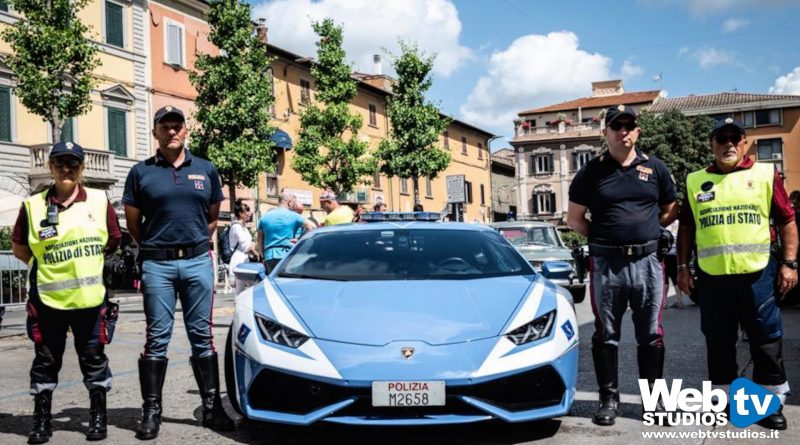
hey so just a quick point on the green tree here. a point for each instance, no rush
(234, 95)
(52, 59)
(680, 141)
(324, 157)
(412, 150)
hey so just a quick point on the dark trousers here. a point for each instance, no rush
(749, 299)
(47, 327)
(269, 265)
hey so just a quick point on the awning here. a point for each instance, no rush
(282, 140)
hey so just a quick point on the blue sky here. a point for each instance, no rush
(498, 57)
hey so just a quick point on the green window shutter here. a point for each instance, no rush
(3, 5)
(67, 130)
(5, 114)
(114, 24)
(117, 138)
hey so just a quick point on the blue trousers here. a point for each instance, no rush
(164, 282)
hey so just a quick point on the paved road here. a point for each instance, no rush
(685, 359)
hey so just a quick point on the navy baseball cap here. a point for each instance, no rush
(728, 122)
(168, 111)
(67, 148)
(615, 113)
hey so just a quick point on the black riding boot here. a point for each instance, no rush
(42, 418)
(605, 366)
(206, 372)
(651, 367)
(775, 421)
(98, 422)
(151, 378)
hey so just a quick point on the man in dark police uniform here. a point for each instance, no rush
(171, 204)
(630, 196)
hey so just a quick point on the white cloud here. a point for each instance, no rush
(711, 57)
(683, 51)
(629, 70)
(535, 70)
(731, 25)
(787, 84)
(369, 27)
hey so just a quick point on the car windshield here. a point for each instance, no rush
(520, 236)
(403, 254)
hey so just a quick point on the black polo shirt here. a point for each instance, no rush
(174, 201)
(624, 202)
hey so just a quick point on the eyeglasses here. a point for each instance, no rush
(617, 126)
(71, 162)
(724, 138)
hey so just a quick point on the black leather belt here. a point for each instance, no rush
(174, 253)
(631, 250)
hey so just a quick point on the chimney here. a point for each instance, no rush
(261, 30)
(377, 70)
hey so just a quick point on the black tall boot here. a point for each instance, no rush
(98, 422)
(151, 378)
(42, 418)
(605, 366)
(206, 372)
(651, 367)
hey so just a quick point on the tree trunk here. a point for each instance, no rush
(232, 194)
(56, 122)
(415, 184)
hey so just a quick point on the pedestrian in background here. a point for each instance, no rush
(631, 196)
(335, 212)
(242, 242)
(278, 228)
(727, 216)
(63, 234)
(671, 267)
(171, 204)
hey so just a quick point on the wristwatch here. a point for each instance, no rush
(791, 264)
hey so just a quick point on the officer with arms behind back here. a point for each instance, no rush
(727, 213)
(631, 196)
(63, 232)
(171, 205)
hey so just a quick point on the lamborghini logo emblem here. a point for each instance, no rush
(407, 352)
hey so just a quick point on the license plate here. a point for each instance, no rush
(429, 393)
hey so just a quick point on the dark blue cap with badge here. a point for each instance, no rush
(728, 122)
(617, 112)
(168, 111)
(67, 148)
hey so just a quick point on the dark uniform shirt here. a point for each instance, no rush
(625, 202)
(174, 201)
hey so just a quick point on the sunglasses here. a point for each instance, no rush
(723, 138)
(617, 126)
(71, 162)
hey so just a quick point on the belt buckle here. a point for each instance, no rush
(629, 250)
(181, 253)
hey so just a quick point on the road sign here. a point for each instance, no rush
(456, 191)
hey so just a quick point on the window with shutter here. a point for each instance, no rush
(552, 203)
(428, 188)
(483, 195)
(5, 114)
(117, 138)
(4, 5)
(114, 25)
(468, 187)
(174, 43)
(404, 186)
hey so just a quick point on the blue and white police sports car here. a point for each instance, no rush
(402, 323)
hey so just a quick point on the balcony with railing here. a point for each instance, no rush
(562, 130)
(98, 167)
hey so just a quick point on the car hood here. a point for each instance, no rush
(532, 252)
(379, 312)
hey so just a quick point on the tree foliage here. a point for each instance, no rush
(234, 95)
(682, 142)
(329, 153)
(52, 59)
(412, 150)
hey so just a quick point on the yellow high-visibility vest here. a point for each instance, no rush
(69, 256)
(731, 216)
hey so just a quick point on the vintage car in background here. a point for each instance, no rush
(540, 243)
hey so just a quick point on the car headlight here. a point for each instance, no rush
(535, 330)
(275, 332)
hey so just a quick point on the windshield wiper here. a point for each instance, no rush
(309, 277)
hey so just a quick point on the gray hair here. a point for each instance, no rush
(286, 197)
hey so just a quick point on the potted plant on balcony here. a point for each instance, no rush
(517, 122)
